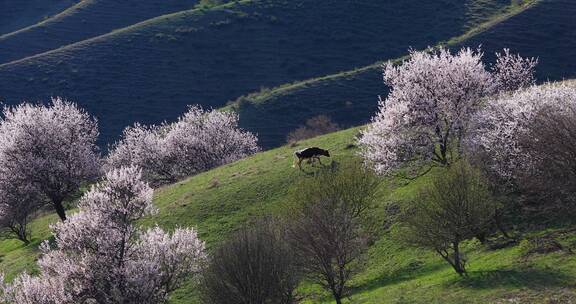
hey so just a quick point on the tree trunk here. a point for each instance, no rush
(337, 295)
(23, 237)
(21, 233)
(458, 265)
(59, 209)
(481, 236)
(500, 225)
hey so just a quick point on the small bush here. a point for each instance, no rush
(315, 126)
(256, 266)
(540, 245)
(454, 207)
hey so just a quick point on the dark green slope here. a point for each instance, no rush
(151, 71)
(16, 14)
(348, 98)
(86, 19)
(546, 30)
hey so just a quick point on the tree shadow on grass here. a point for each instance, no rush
(406, 273)
(526, 278)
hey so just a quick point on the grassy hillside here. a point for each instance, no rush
(219, 201)
(544, 29)
(85, 19)
(16, 14)
(150, 72)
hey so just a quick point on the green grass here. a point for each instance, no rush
(15, 257)
(150, 71)
(219, 201)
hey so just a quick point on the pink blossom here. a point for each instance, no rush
(101, 256)
(198, 141)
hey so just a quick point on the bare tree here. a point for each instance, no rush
(255, 266)
(18, 203)
(528, 140)
(454, 207)
(551, 138)
(328, 231)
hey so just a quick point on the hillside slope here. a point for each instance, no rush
(86, 19)
(17, 14)
(219, 201)
(150, 72)
(546, 30)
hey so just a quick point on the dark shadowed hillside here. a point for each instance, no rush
(17, 14)
(86, 19)
(546, 30)
(151, 71)
(348, 98)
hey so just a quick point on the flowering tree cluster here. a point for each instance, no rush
(46, 153)
(432, 99)
(513, 72)
(530, 135)
(198, 141)
(100, 256)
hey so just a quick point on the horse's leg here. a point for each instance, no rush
(300, 164)
(320, 161)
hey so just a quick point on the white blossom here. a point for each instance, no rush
(100, 256)
(198, 141)
(505, 124)
(512, 72)
(428, 111)
(49, 148)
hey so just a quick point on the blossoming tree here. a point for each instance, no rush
(529, 134)
(198, 141)
(432, 99)
(100, 256)
(51, 149)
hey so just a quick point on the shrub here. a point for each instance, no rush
(18, 203)
(454, 207)
(315, 126)
(329, 229)
(528, 142)
(255, 266)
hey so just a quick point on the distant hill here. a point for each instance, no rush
(545, 29)
(149, 72)
(86, 19)
(17, 14)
